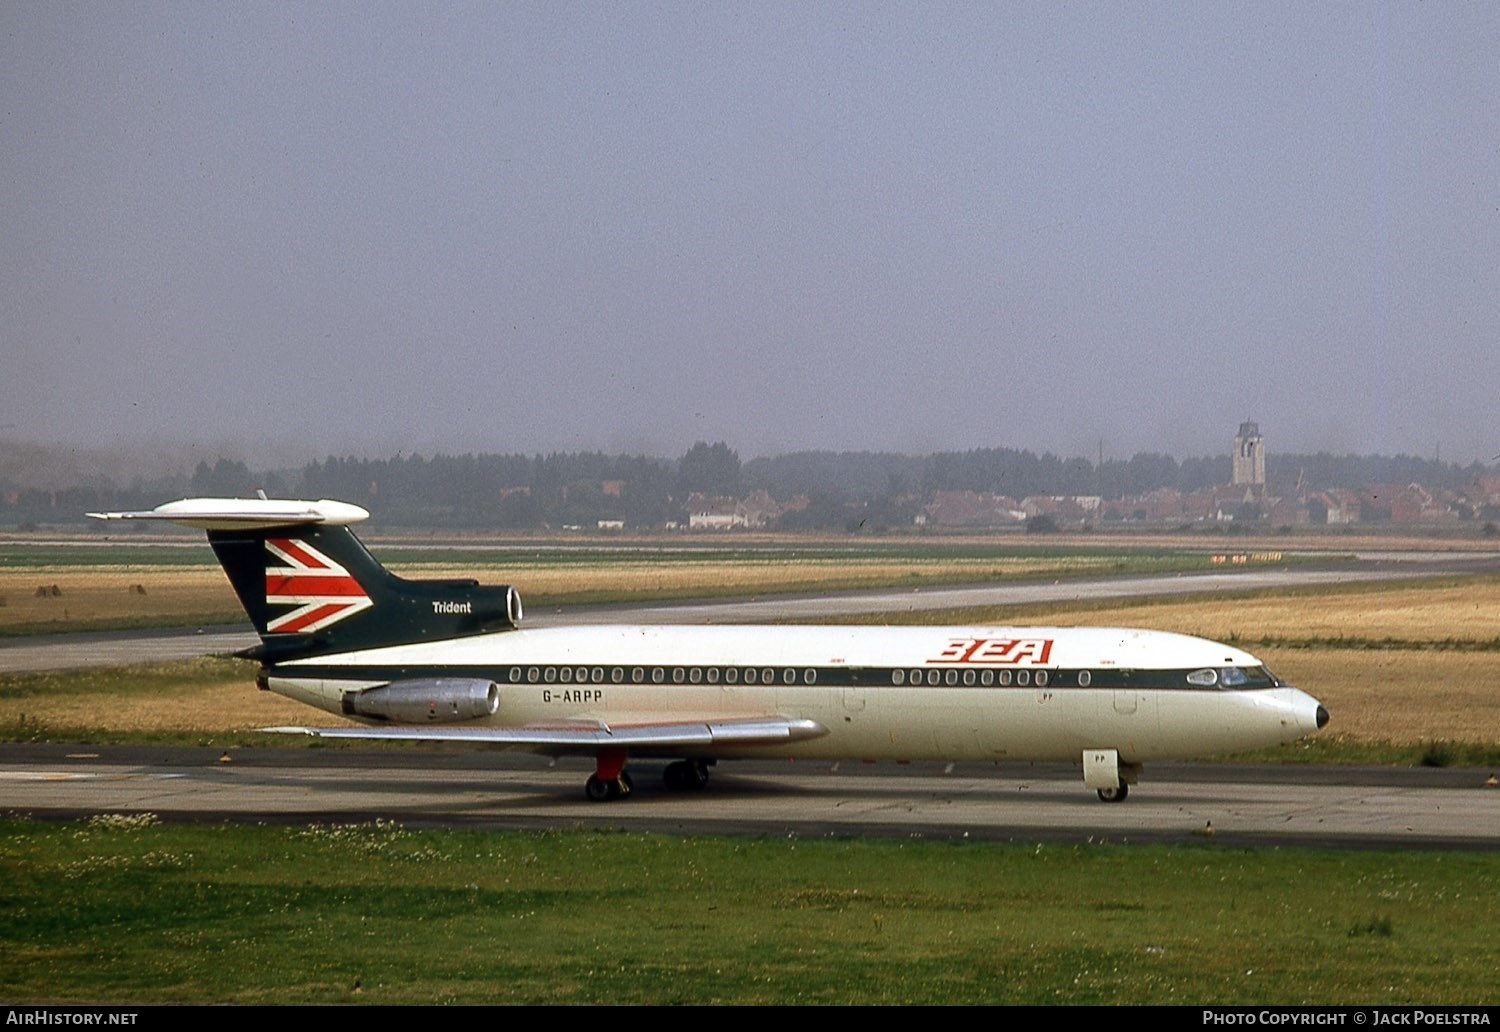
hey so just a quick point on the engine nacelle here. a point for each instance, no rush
(507, 614)
(437, 700)
(478, 607)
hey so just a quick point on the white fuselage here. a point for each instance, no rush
(904, 693)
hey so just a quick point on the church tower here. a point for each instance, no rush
(1249, 457)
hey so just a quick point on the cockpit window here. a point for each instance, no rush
(1231, 678)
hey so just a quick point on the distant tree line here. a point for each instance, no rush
(818, 489)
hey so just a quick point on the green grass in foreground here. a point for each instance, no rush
(122, 910)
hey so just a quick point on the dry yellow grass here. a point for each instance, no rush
(222, 698)
(1466, 612)
(750, 576)
(1400, 696)
(90, 594)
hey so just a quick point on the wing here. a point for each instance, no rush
(589, 738)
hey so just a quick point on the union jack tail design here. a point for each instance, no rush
(323, 591)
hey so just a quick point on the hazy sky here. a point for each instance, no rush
(627, 226)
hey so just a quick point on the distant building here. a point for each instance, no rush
(713, 513)
(1249, 457)
(970, 509)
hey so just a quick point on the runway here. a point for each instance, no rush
(1228, 804)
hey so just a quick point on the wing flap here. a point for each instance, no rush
(587, 738)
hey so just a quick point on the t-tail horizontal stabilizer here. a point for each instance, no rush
(246, 513)
(312, 589)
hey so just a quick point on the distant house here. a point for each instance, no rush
(759, 509)
(713, 513)
(720, 512)
(970, 509)
(1064, 509)
(1334, 507)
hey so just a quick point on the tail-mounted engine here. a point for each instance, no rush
(437, 700)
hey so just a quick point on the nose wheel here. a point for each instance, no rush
(1114, 795)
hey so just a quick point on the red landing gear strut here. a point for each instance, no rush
(609, 780)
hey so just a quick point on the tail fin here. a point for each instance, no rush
(311, 588)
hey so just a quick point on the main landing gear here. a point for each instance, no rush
(601, 790)
(685, 775)
(610, 781)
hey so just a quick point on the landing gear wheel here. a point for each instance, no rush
(1114, 795)
(685, 774)
(602, 790)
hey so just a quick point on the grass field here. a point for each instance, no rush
(118, 910)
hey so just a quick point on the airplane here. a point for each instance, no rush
(448, 661)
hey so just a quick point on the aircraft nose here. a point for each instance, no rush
(1302, 711)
